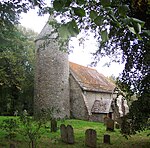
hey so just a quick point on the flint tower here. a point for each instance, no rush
(51, 75)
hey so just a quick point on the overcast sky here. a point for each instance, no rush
(81, 54)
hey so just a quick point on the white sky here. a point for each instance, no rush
(81, 55)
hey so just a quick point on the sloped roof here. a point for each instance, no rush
(102, 106)
(90, 79)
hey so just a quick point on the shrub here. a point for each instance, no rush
(31, 128)
(10, 126)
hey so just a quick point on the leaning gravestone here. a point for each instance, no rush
(90, 138)
(53, 125)
(106, 139)
(70, 134)
(63, 132)
(110, 125)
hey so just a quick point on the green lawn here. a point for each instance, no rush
(52, 140)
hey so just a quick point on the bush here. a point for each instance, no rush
(10, 126)
(31, 128)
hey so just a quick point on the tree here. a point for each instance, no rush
(10, 11)
(16, 74)
(17, 56)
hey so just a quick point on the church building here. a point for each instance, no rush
(70, 90)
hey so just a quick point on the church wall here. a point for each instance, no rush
(77, 101)
(98, 117)
(92, 96)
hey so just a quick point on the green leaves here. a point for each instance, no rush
(98, 20)
(132, 29)
(64, 32)
(10, 126)
(58, 5)
(123, 9)
(79, 12)
(17, 64)
(68, 2)
(106, 3)
(73, 28)
(135, 26)
(31, 128)
(93, 14)
(135, 20)
(68, 30)
(80, 2)
(136, 30)
(104, 36)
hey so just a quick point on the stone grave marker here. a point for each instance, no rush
(90, 138)
(70, 134)
(63, 132)
(53, 125)
(106, 139)
(110, 125)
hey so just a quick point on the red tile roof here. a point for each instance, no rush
(90, 79)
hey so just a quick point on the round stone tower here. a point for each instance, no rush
(51, 75)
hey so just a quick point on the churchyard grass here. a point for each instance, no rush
(52, 139)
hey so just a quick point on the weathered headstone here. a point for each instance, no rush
(53, 125)
(70, 134)
(106, 139)
(67, 134)
(110, 125)
(63, 132)
(90, 138)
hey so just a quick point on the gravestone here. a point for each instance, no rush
(70, 134)
(67, 134)
(53, 125)
(63, 132)
(106, 139)
(90, 138)
(110, 125)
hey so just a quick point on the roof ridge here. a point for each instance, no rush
(82, 66)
